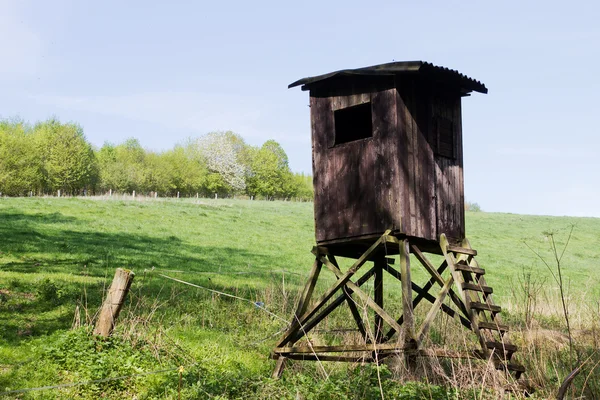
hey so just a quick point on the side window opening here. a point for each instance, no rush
(353, 123)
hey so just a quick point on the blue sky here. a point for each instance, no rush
(165, 71)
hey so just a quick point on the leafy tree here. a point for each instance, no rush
(186, 170)
(68, 161)
(269, 173)
(52, 155)
(122, 167)
(20, 163)
(303, 186)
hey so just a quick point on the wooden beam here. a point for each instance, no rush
(340, 282)
(440, 353)
(378, 292)
(339, 348)
(308, 289)
(423, 293)
(300, 309)
(427, 264)
(327, 357)
(307, 327)
(438, 278)
(363, 296)
(407, 299)
(351, 303)
(433, 311)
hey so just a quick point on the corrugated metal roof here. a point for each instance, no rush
(400, 68)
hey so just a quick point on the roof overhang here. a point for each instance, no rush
(422, 68)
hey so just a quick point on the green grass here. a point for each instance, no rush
(56, 254)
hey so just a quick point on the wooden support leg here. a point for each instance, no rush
(423, 293)
(407, 300)
(279, 366)
(309, 325)
(343, 280)
(301, 309)
(378, 289)
(407, 303)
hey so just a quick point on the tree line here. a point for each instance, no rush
(49, 156)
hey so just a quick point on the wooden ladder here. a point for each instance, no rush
(484, 314)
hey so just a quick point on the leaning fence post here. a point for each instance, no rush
(113, 302)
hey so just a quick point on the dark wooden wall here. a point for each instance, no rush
(395, 179)
(356, 182)
(449, 171)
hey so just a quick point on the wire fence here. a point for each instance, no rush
(256, 304)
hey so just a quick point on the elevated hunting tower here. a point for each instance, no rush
(388, 179)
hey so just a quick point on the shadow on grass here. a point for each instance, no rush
(42, 245)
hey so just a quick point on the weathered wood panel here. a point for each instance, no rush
(322, 127)
(417, 159)
(357, 190)
(426, 213)
(404, 129)
(386, 168)
(448, 173)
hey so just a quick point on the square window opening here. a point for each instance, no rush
(353, 123)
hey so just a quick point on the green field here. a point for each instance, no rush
(58, 256)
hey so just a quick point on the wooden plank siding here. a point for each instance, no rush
(395, 179)
(419, 190)
(449, 172)
(321, 122)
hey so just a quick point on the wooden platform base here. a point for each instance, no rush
(462, 294)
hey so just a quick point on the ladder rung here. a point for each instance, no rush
(467, 268)
(492, 326)
(485, 307)
(477, 288)
(509, 348)
(462, 250)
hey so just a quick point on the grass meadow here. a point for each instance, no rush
(58, 255)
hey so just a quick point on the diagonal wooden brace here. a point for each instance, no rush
(337, 286)
(433, 311)
(362, 295)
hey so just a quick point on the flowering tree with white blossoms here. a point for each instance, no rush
(222, 153)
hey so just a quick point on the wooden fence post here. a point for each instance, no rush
(113, 302)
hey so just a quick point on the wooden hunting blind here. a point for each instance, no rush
(388, 179)
(387, 151)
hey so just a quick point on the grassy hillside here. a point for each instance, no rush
(59, 254)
